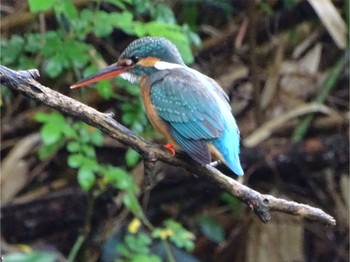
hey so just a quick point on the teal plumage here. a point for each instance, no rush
(188, 107)
(196, 115)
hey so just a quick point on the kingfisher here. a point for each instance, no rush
(189, 108)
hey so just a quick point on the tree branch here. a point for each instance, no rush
(262, 205)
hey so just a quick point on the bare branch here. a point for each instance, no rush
(262, 205)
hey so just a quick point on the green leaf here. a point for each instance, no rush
(96, 138)
(141, 6)
(33, 43)
(75, 160)
(123, 250)
(40, 5)
(181, 237)
(211, 229)
(138, 243)
(68, 130)
(47, 150)
(81, 26)
(57, 118)
(144, 239)
(35, 256)
(102, 24)
(192, 36)
(54, 66)
(11, 50)
(130, 201)
(123, 21)
(77, 52)
(50, 133)
(73, 147)
(162, 13)
(234, 204)
(84, 134)
(89, 70)
(145, 258)
(54, 118)
(128, 118)
(53, 42)
(118, 3)
(88, 150)
(120, 179)
(105, 89)
(67, 8)
(42, 117)
(140, 29)
(86, 177)
(26, 62)
(132, 157)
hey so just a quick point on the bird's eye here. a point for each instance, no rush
(134, 59)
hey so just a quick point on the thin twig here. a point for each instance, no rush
(261, 204)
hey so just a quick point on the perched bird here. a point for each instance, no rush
(190, 109)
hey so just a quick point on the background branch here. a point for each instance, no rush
(262, 205)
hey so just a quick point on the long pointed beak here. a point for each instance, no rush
(108, 72)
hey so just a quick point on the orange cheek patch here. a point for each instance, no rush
(148, 61)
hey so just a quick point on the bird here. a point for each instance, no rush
(189, 108)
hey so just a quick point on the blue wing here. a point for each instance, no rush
(188, 106)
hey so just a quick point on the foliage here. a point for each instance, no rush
(211, 229)
(34, 256)
(80, 141)
(64, 50)
(136, 245)
(74, 53)
(55, 130)
(232, 202)
(136, 248)
(68, 47)
(176, 233)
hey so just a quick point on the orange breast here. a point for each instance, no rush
(151, 112)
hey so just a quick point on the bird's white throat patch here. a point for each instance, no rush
(131, 77)
(160, 65)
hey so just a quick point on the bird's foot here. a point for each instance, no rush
(215, 163)
(170, 148)
(108, 114)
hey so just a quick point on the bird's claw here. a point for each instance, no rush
(215, 163)
(170, 148)
(108, 114)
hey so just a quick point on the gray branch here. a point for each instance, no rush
(262, 205)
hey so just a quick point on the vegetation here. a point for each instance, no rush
(110, 215)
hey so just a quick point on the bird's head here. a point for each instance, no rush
(142, 57)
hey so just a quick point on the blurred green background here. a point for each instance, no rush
(68, 193)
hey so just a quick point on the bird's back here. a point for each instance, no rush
(198, 114)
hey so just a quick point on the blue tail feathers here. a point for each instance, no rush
(228, 145)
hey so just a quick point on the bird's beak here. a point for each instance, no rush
(108, 72)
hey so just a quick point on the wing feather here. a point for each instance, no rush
(187, 104)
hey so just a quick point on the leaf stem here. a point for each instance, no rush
(168, 251)
(328, 85)
(76, 247)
